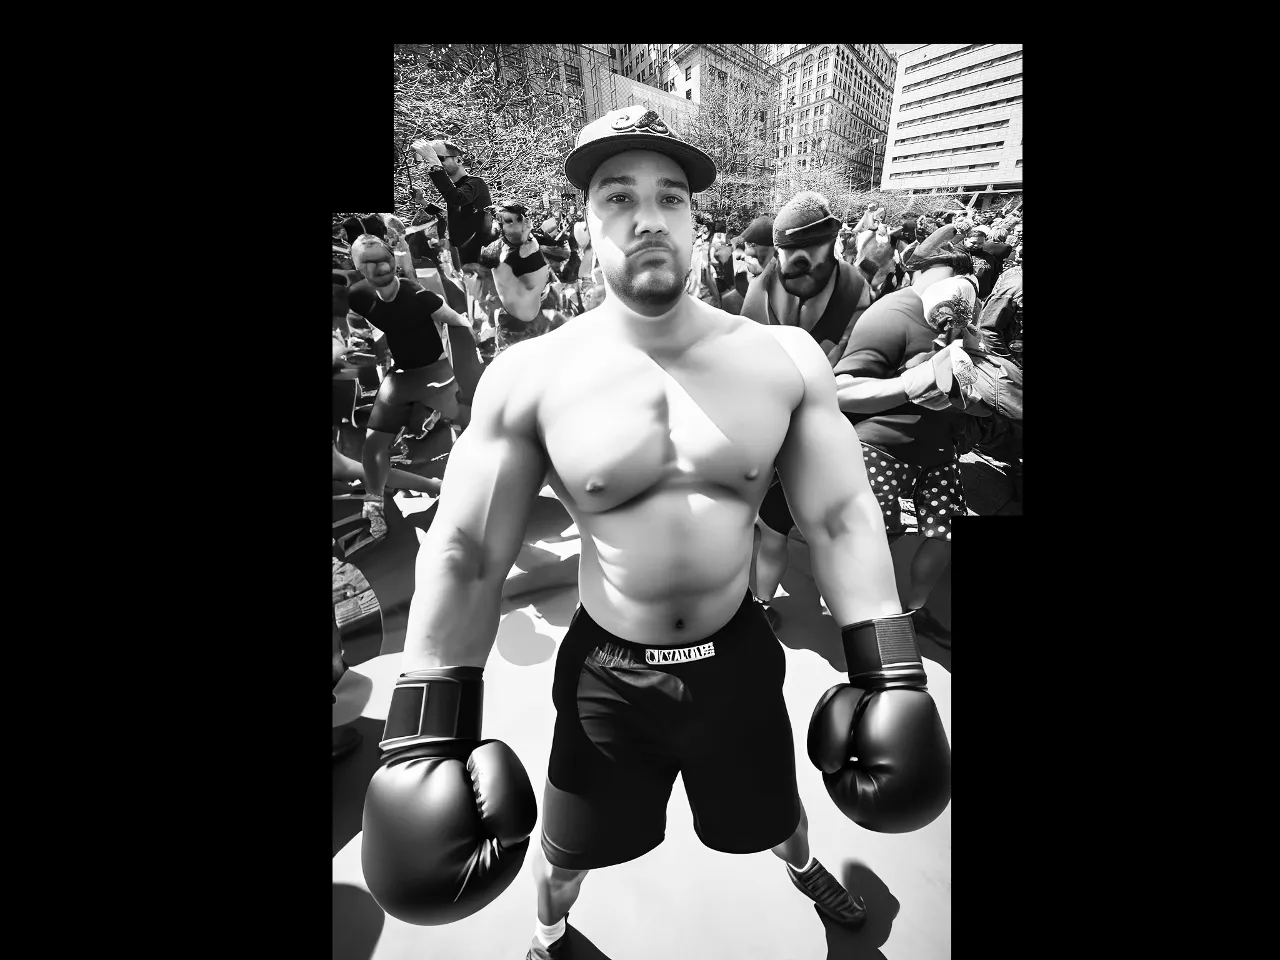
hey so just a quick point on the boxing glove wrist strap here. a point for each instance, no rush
(446, 703)
(882, 653)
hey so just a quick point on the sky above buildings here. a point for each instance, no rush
(901, 48)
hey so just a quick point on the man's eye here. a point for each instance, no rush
(619, 196)
(676, 197)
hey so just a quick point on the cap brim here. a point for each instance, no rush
(583, 161)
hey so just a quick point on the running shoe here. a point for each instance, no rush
(557, 951)
(832, 899)
(374, 512)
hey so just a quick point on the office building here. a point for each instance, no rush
(956, 124)
(832, 108)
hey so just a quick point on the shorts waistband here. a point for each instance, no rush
(614, 651)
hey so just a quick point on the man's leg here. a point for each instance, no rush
(377, 461)
(344, 468)
(927, 567)
(771, 561)
(795, 849)
(771, 558)
(557, 888)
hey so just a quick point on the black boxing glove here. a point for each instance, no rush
(447, 816)
(878, 739)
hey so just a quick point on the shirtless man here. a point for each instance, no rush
(658, 424)
(520, 274)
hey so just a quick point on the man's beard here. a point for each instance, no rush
(646, 284)
(812, 283)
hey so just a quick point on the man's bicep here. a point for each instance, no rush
(492, 480)
(820, 463)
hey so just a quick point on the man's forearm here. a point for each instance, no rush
(454, 613)
(852, 565)
(868, 394)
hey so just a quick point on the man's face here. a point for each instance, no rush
(806, 270)
(450, 165)
(514, 227)
(642, 228)
(375, 262)
(762, 252)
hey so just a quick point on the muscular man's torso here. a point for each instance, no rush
(663, 463)
(517, 299)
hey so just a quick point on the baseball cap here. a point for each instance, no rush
(759, 231)
(805, 219)
(446, 147)
(634, 128)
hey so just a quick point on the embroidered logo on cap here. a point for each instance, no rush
(682, 655)
(649, 122)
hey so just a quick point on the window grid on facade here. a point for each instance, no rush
(915, 104)
(954, 132)
(937, 170)
(995, 61)
(942, 58)
(972, 148)
(963, 111)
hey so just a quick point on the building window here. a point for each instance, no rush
(688, 72)
(612, 53)
(688, 94)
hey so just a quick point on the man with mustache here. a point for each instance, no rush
(657, 422)
(806, 285)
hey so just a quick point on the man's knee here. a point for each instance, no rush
(545, 871)
(771, 541)
(377, 440)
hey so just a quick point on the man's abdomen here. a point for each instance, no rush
(677, 555)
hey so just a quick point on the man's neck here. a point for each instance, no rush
(668, 333)
(393, 287)
(795, 311)
(457, 175)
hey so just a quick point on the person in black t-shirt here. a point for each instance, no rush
(994, 251)
(466, 197)
(906, 425)
(408, 313)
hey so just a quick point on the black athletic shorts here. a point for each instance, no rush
(433, 386)
(774, 510)
(625, 726)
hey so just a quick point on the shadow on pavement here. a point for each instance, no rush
(351, 776)
(805, 625)
(882, 909)
(357, 923)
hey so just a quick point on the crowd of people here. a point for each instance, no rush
(604, 348)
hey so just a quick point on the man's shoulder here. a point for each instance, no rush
(899, 304)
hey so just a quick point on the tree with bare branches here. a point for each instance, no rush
(505, 104)
(730, 127)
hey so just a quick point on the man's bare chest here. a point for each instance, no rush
(624, 426)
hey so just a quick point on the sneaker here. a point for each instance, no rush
(373, 511)
(831, 898)
(557, 951)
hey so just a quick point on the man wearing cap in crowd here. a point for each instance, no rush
(888, 386)
(466, 197)
(806, 285)
(758, 238)
(658, 424)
